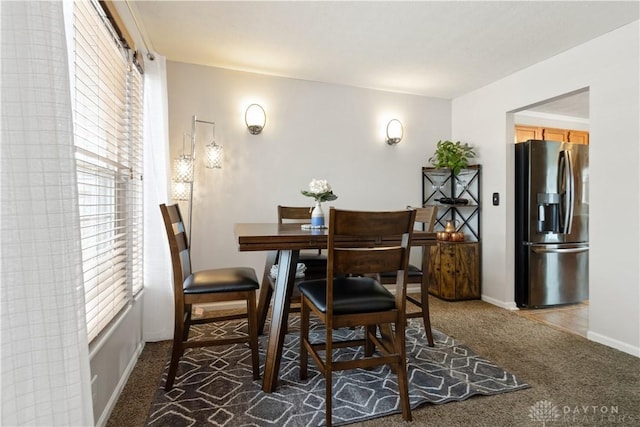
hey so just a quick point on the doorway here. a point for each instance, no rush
(566, 119)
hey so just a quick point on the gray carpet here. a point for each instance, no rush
(214, 385)
(564, 369)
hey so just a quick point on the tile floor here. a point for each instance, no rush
(572, 318)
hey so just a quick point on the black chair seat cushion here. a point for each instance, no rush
(412, 271)
(221, 280)
(351, 295)
(313, 258)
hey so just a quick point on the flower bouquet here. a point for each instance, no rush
(321, 191)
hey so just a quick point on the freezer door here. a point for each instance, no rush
(558, 274)
(543, 225)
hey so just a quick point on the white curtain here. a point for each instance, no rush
(158, 288)
(45, 364)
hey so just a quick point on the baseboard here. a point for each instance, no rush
(102, 421)
(159, 335)
(610, 342)
(507, 305)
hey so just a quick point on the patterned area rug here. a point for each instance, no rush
(214, 385)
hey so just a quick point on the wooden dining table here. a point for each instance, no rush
(284, 243)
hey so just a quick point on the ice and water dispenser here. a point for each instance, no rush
(548, 213)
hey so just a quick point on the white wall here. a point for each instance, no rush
(551, 121)
(313, 130)
(113, 356)
(608, 66)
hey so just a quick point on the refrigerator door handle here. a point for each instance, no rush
(566, 189)
(543, 250)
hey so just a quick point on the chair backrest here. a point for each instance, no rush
(294, 214)
(178, 244)
(426, 216)
(367, 242)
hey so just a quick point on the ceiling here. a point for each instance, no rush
(428, 48)
(575, 105)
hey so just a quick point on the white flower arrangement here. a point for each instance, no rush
(320, 190)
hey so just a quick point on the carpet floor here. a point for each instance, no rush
(214, 385)
(574, 382)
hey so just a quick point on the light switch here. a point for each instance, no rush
(496, 199)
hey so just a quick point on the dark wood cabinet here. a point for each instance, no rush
(454, 267)
(454, 270)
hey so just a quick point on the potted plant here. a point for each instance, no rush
(452, 155)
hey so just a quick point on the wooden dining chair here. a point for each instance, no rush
(360, 244)
(206, 286)
(426, 218)
(314, 260)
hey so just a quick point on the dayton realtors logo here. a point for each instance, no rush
(545, 412)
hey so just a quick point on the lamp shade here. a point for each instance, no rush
(394, 132)
(255, 118)
(180, 190)
(214, 156)
(183, 167)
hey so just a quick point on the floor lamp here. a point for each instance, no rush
(185, 166)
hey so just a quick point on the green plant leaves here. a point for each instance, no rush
(452, 155)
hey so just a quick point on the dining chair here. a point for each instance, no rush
(206, 286)
(314, 260)
(360, 243)
(426, 218)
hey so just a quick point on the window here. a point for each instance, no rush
(108, 138)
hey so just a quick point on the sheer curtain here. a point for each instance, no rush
(158, 288)
(44, 363)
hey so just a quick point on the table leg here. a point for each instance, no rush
(265, 291)
(288, 260)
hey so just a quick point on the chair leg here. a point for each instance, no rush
(187, 321)
(401, 372)
(252, 323)
(369, 347)
(304, 337)
(424, 302)
(176, 350)
(328, 375)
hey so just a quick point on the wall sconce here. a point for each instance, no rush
(394, 132)
(255, 118)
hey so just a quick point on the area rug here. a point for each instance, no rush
(214, 385)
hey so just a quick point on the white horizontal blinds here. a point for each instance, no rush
(104, 158)
(136, 161)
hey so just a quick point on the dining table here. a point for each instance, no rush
(283, 243)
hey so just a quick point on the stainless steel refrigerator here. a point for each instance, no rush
(552, 223)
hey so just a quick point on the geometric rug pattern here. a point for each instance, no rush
(214, 386)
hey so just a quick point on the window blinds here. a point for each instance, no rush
(108, 138)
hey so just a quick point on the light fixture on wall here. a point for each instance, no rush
(255, 118)
(394, 132)
(184, 166)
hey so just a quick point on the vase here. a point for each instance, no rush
(317, 215)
